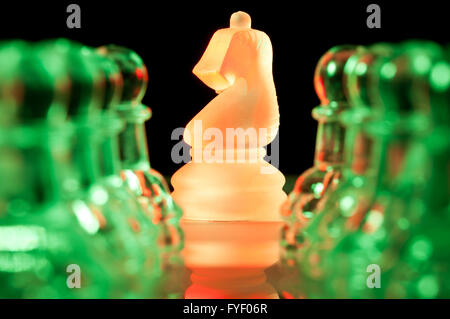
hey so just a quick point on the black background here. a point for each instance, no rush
(171, 37)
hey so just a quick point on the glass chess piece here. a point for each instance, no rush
(245, 187)
(148, 185)
(343, 209)
(41, 240)
(126, 234)
(316, 182)
(390, 235)
(109, 126)
(231, 221)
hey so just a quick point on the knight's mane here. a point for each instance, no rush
(256, 39)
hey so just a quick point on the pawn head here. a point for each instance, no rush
(439, 81)
(329, 75)
(33, 83)
(86, 80)
(402, 83)
(11, 87)
(113, 83)
(133, 71)
(360, 75)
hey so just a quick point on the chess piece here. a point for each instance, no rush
(314, 183)
(237, 64)
(147, 184)
(343, 209)
(41, 239)
(399, 231)
(134, 265)
(24, 71)
(124, 199)
(229, 195)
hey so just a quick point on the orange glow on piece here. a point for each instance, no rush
(238, 64)
(231, 218)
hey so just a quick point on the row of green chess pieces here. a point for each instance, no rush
(82, 213)
(371, 219)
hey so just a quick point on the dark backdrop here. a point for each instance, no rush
(171, 37)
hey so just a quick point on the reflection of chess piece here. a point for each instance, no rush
(314, 184)
(228, 178)
(228, 259)
(229, 195)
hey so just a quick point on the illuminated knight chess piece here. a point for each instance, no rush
(228, 179)
(314, 184)
(237, 64)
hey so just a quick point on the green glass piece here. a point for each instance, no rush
(403, 231)
(130, 268)
(133, 70)
(123, 224)
(110, 179)
(33, 74)
(11, 54)
(147, 184)
(401, 96)
(329, 75)
(340, 211)
(311, 186)
(40, 237)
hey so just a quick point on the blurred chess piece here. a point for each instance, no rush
(89, 188)
(148, 185)
(317, 182)
(228, 191)
(134, 217)
(40, 234)
(344, 208)
(402, 231)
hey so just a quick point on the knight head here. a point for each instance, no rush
(233, 53)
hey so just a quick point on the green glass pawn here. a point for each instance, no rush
(403, 121)
(121, 196)
(342, 211)
(420, 221)
(45, 251)
(10, 59)
(147, 184)
(311, 186)
(118, 229)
